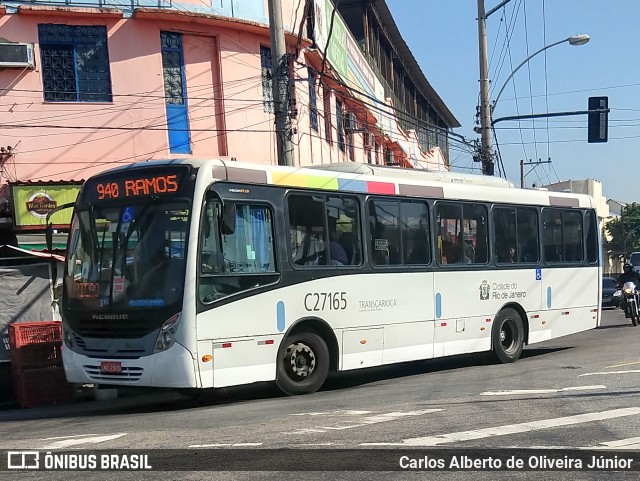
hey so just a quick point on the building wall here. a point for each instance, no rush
(67, 140)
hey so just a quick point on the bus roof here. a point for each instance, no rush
(355, 177)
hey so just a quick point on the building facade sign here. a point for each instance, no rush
(32, 202)
(346, 58)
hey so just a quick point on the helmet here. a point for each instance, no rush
(627, 267)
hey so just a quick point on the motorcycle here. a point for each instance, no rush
(631, 302)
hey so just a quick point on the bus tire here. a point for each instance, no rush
(507, 337)
(302, 364)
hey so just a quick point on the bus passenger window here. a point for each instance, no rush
(528, 235)
(344, 231)
(324, 230)
(552, 235)
(414, 222)
(462, 233)
(383, 232)
(307, 230)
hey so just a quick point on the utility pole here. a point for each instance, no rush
(535, 164)
(521, 173)
(280, 75)
(486, 149)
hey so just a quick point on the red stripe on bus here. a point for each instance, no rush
(381, 188)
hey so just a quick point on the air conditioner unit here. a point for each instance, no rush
(350, 122)
(17, 55)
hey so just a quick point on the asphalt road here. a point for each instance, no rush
(578, 392)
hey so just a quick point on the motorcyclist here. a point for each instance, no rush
(629, 275)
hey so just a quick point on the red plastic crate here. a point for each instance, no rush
(26, 333)
(42, 387)
(37, 356)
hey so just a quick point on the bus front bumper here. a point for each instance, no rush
(174, 368)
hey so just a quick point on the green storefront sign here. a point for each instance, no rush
(337, 48)
(33, 201)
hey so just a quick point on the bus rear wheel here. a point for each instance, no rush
(303, 363)
(507, 336)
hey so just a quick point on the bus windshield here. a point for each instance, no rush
(127, 256)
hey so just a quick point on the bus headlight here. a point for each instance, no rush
(167, 337)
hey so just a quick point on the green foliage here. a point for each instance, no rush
(625, 231)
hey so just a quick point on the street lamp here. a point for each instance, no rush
(486, 109)
(575, 40)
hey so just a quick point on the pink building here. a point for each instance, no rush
(86, 87)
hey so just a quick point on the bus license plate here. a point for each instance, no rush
(111, 367)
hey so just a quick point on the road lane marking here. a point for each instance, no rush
(541, 391)
(629, 443)
(624, 364)
(363, 421)
(334, 413)
(68, 437)
(76, 441)
(512, 428)
(631, 371)
(226, 445)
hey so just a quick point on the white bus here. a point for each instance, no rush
(200, 274)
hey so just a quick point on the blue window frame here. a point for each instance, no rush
(175, 93)
(75, 63)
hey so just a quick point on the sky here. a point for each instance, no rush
(443, 36)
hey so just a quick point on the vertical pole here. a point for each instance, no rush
(522, 173)
(280, 74)
(486, 152)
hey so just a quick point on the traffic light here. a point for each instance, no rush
(598, 125)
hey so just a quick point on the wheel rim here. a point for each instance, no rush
(300, 361)
(508, 332)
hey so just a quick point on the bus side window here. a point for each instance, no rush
(591, 231)
(307, 230)
(384, 233)
(474, 234)
(505, 232)
(414, 217)
(552, 235)
(528, 235)
(449, 224)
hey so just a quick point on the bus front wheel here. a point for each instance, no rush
(507, 336)
(303, 363)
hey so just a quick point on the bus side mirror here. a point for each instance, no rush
(228, 221)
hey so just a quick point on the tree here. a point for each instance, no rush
(625, 231)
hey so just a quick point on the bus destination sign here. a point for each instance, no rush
(133, 185)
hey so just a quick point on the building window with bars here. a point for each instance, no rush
(340, 124)
(267, 79)
(313, 108)
(75, 63)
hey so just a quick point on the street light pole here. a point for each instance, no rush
(486, 148)
(573, 40)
